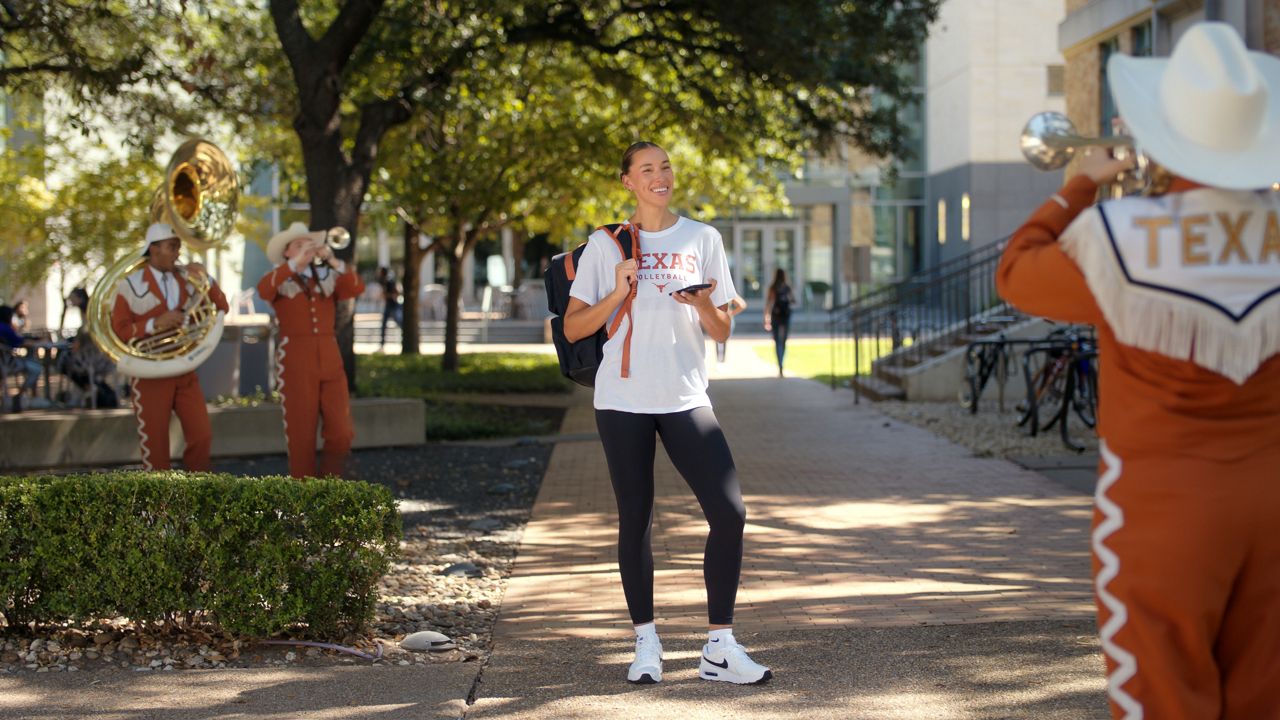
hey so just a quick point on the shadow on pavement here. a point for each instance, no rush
(1048, 669)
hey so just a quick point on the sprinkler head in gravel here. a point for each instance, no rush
(462, 568)
(428, 640)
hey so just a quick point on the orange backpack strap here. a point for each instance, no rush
(570, 271)
(625, 310)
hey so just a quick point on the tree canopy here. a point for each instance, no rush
(480, 113)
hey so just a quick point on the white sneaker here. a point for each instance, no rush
(728, 662)
(646, 669)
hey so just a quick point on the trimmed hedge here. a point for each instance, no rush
(255, 556)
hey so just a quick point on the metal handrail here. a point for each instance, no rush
(901, 324)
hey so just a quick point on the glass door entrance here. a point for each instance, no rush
(757, 249)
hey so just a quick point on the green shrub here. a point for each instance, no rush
(420, 376)
(255, 556)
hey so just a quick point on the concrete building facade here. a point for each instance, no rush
(1095, 29)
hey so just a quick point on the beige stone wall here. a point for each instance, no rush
(1084, 103)
(1074, 5)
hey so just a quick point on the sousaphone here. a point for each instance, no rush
(199, 199)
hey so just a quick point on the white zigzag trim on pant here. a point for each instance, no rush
(1113, 520)
(143, 438)
(284, 412)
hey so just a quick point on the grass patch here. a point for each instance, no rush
(470, 421)
(812, 359)
(420, 376)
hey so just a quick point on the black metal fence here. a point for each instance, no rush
(903, 324)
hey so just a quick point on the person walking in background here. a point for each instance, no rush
(391, 307)
(1184, 289)
(777, 314)
(652, 382)
(736, 306)
(312, 382)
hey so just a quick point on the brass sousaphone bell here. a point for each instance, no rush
(199, 199)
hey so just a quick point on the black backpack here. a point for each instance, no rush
(580, 360)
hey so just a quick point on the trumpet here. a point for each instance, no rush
(337, 238)
(1049, 141)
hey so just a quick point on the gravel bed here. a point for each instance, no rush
(989, 433)
(464, 506)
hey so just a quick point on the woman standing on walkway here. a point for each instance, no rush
(777, 314)
(652, 383)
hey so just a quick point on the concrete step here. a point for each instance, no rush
(875, 388)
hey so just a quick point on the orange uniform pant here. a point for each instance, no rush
(154, 400)
(313, 385)
(1186, 560)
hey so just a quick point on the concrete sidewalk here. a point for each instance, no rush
(888, 573)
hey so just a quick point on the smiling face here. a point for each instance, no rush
(650, 177)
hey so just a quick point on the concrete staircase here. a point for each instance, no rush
(935, 371)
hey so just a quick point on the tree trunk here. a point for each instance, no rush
(449, 362)
(409, 300)
(517, 253)
(337, 176)
(335, 191)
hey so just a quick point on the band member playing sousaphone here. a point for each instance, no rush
(304, 288)
(1184, 289)
(152, 302)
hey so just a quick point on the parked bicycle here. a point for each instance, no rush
(1061, 379)
(984, 359)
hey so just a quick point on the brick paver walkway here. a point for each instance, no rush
(853, 519)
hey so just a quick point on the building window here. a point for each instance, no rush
(1057, 80)
(964, 217)
(1141, 36)
(942, 222)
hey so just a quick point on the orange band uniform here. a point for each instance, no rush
(1186, 556)
(312, 382)
(138, 300)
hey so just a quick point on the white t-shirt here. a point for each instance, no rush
(668, 373)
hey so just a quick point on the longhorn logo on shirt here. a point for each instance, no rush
(661, 287)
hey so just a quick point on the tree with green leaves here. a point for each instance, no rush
(531, 141)
(364, 67)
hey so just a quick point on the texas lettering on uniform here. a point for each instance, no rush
(1210, 238)
(663, 267)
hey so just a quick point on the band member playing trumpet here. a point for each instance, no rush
(153, 301)
(1184, 290)
(312, 383)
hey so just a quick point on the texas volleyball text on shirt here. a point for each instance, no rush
(668, 373)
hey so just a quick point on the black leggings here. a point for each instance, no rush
(780, 332)
(699, 451)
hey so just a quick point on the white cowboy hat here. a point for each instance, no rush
(277, 244)
(157, 232)
(1210, 112)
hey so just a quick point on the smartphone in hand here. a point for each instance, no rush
(691, 288)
